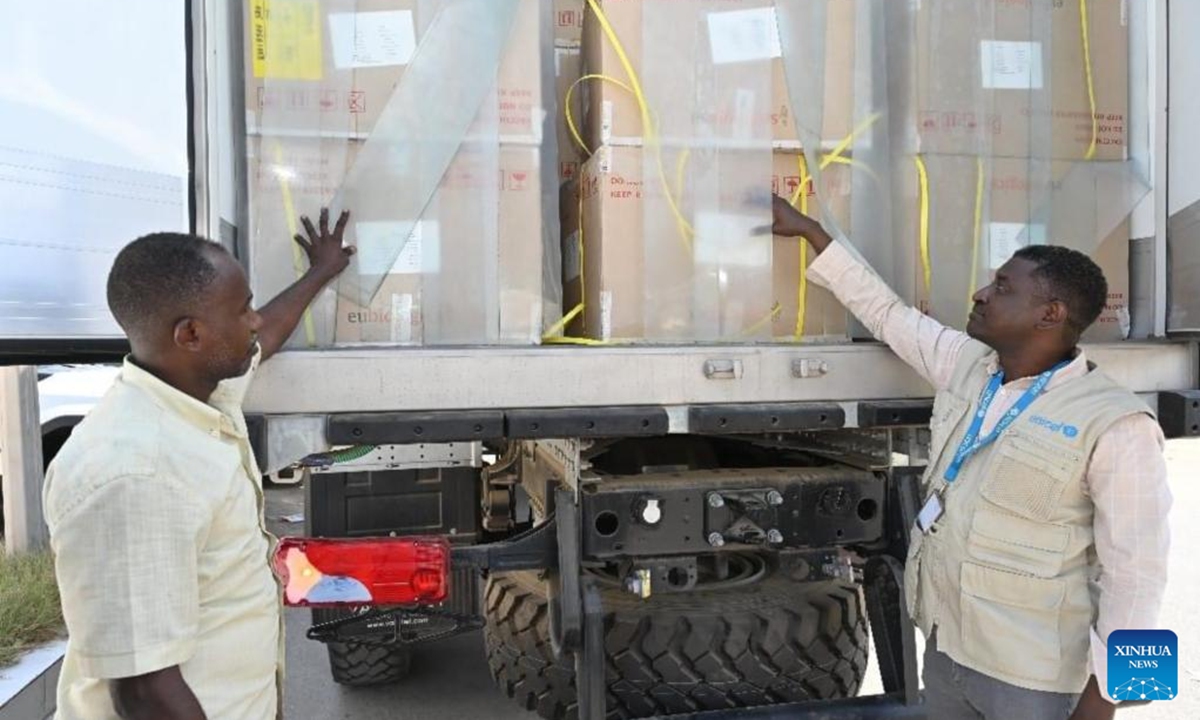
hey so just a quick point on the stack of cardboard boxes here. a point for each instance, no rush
(475, 268)
(1037, 107)
(614, 203)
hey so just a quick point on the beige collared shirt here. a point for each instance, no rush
(155, 511)
(1126, 478)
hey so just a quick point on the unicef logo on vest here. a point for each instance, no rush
(1143, 665)
(1068, 431)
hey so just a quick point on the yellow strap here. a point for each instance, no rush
(1091, 86)
(558, 327)
(571, 125)
(775, 311)
(978, 233)
(289, 211)
(841, 147)
(680, 167)
(926, 264)
(801, 200)
(575, 341)
(686, 231)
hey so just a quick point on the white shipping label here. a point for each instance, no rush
(604, 160)
(606, 120)
(402, 318)
(744, 35)
(730, 240)
(382, 250)
(1011, 64)
(372, 39)
(1005, 238)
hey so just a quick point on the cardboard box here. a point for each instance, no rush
(487, 282)
(625, 301)
(824, 316)
(349, 63)
(613, 116)
(1004, 227)
(568, 67)
(568, 22)
(983, 95)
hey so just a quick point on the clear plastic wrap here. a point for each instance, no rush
(706, 74)
(430, 126)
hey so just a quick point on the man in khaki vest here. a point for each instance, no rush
(1044, 518)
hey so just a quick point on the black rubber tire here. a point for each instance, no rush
(775, 642)
(358, 665)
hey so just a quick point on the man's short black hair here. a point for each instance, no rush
(1072, 277)
(158, 279)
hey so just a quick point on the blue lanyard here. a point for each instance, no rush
(972, 443)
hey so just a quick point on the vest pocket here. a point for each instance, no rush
(1017, 543)
(1029, 477)
(1010, 622)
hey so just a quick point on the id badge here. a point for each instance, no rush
(930, 512)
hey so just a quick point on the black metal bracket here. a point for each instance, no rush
(894, 413)
(531, 550)
(1179, 413)
(414, 427)
(389, 626)
(590, 676)
(895, 638)
(565, 596)
(765, 418)
(587, 422)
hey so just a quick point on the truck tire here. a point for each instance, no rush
(359, 665)
(775, 642)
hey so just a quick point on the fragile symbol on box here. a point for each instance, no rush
(357, 101)
(570, 18)
(518, 180)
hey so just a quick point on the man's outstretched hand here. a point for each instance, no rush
(327, 255)
(327, 258)
(787, 221)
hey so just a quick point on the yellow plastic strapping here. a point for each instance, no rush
(978, 234)
(289, 210)
(801, 200)
(687, 232)
(1091, 85)
(571, 125)
(926, 264)
(776, 310)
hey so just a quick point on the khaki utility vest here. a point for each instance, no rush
(1007, 573)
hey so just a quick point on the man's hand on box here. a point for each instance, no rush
(328, 256)
(787, 221)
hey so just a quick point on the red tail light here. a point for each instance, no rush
(374, 571)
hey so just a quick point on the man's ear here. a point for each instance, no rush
(187, 334)
(1054, 315)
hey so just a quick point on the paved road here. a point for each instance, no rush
(450, 679)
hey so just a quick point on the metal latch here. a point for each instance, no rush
(723, 369)
(809, 367)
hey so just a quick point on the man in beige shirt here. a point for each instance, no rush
(155, 503)
(1024, 325)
